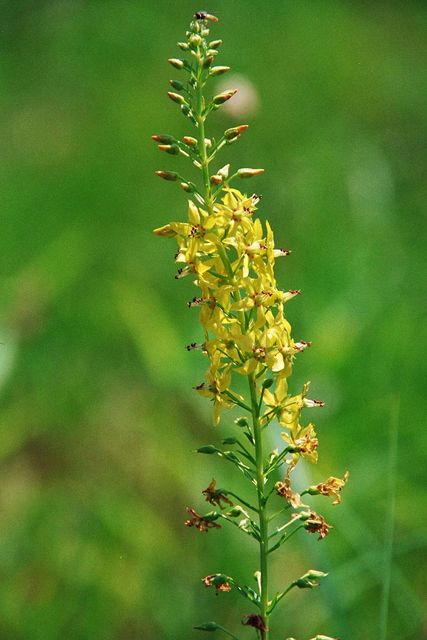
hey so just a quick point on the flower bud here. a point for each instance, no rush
(208, 448)
(313, 573)
(176, 97)
(216, 179)
(224, 96)
(223, 172)
(166, 231)
(183, 45)
(208, 626)
(267, 383)
(189, 141)
(208, 61)
(173, 149)
(229, 440)
(215, 44)
(189, 187)
(167, 175)
(188, 113)
(177, 63)
(163, 139)
(241, 422)
(235, 512)
(195, 39)
(211, 516)
(249, 173)
(234, 132)
(217, 71)
(310, 579)
(176, 85)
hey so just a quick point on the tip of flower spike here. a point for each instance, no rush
(203, 15)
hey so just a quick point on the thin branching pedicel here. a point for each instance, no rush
(230, 256)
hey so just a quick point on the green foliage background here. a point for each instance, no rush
(98, 418)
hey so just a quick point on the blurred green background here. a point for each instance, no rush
(98, 418)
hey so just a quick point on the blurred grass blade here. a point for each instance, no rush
(390, 516)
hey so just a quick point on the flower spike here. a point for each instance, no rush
(245, 337)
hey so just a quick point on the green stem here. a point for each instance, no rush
(228, 632)
(200, 117)
(209, 198)
(249, 506)
(262, 511)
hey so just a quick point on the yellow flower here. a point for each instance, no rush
(303, 443)
(218, 379)
(241, 310)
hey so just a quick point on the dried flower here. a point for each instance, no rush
(256, 621)
(217, 580)
(284, 489)
(201, 523)
(317, 524)
(216, 496)
(331, 487)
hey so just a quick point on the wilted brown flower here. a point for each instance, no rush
(216, 496)
(202, 523)
(316, 524)
(254, 620)
(217, 580)
(284, 489)
(331, 487)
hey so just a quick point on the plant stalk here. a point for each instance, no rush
(255, 401)
(262, 506)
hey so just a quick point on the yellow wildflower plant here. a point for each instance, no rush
(230, 255)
